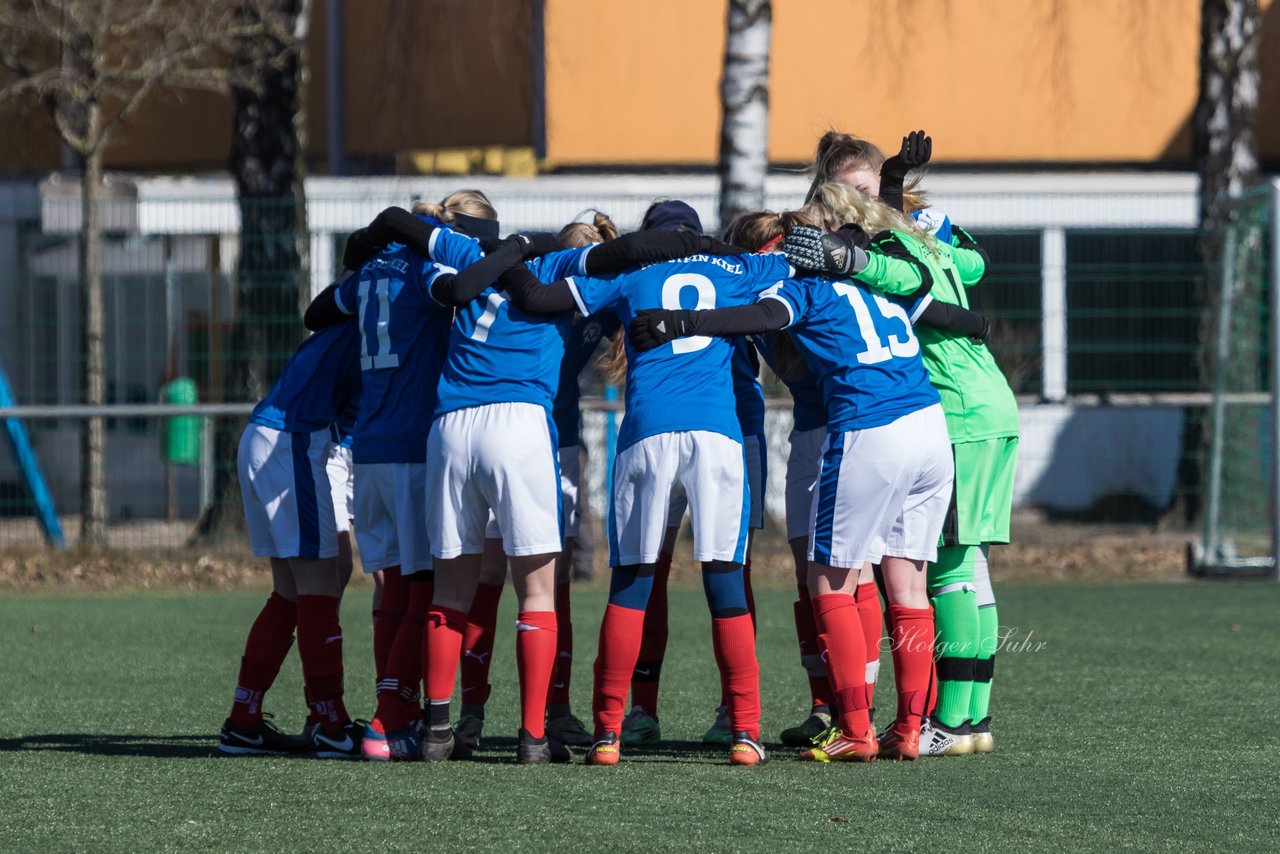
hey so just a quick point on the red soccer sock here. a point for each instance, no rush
(398, 689)
(441, 649)
(619, 647)
(840, 634)
(535, 659)
(386, 619)
(320, 647)
(477, 644)
(912, 662)
(563, 672)
(265, 650)
(645, 679)
(734, 641)
(872, 618)
(810, 653)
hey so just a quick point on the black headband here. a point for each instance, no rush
(474, 226)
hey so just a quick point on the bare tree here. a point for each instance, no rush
(272, 281)
(1232, 221)
(92, 64)
(744, 98)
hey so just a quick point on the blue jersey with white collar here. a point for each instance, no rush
(584, 338)
(404, 334)
(862, 349)
(317, 384)
(497, 352)
(808, 412)
(686, 384)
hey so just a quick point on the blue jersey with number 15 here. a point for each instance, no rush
(404, 333)
(686, 384)
(861, 347)
(498, 353)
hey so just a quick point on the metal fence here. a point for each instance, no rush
(1103, 314)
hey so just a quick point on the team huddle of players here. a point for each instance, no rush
(436, 405)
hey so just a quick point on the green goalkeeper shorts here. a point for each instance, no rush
(983, 495)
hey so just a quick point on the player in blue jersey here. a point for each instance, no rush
(405, 305)
(492, 448)
(885, 480)
(290, 516)
(680, 435)
(642, 725)
(582, 340)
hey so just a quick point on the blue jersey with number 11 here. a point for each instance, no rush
(403, 336)
(686, 384)
(861, 347)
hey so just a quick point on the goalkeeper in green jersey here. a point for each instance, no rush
(982, 418)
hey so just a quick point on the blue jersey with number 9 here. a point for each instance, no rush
(861, 347)
(403, 337)
(686, 384)
(498, 353)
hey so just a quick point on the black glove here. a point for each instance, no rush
(361, 246)
(539, 243)
(856, 234)
(835, 253)
(654, 327)
(915, 152)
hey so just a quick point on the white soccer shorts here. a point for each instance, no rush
(706, 468)
(883, 491)
(283, 485)
(500, 456)
(342, 482)
(391, 513)
(570, 486)
(803, 461)
(756, 460)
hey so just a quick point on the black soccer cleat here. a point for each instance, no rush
(261, 739)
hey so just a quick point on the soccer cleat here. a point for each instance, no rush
(640, 727)
(834, 746)
(344, 744)
(468, 730)
(261, 739)
(404, 745)
(982, 739)
(745, 750)
(605, 751)
(938, 740)
(540, 751)
(900, 746)
(569, 730)
(803, 734)
(437, 745)
(373, 746)
(719, 732)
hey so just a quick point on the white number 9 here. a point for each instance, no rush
(671, 290)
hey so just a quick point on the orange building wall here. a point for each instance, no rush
(992, 80)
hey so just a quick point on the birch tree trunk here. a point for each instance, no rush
(1224, 134)
(744, 98)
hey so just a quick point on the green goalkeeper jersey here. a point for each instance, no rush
(976, 397)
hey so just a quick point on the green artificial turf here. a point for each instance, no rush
(1147, 719)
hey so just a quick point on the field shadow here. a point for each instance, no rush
(200, 746)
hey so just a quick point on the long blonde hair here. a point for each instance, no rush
(834, 204)
(837, 152)
(468, 202)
